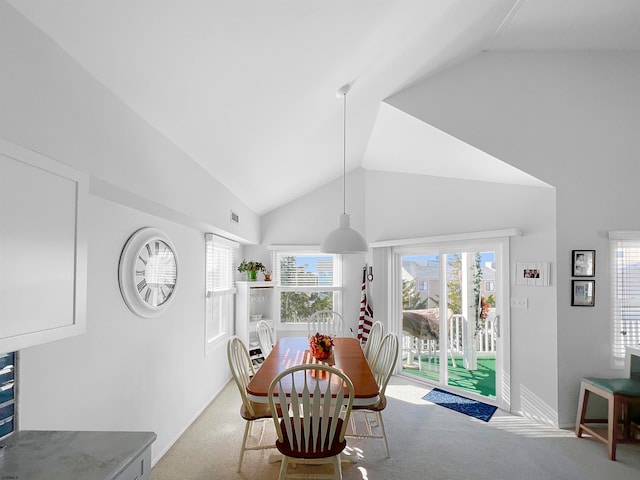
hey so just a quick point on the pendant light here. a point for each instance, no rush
(344, 239)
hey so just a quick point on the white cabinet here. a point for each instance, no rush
(42, 249)
(254, 301)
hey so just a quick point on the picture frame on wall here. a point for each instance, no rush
(583, 293)
(583, 263)
(534, 274)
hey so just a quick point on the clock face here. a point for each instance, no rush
(148, 272)
(155, 272)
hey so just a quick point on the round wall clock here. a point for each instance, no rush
(148, 272)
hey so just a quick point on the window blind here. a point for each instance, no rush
(220, 255)
(625, 295)
(307, 270)
(307, 282)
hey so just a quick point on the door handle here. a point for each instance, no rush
(496, 325)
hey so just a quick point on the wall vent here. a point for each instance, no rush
(235, 218)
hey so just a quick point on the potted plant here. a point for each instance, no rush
(251, 268)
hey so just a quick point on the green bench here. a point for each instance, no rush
(623, 397)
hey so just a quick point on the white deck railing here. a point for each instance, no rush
(485, 338)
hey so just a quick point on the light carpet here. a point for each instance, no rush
(426, 441)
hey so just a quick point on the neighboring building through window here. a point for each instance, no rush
(220, 287)
(307, 282)
(625, 293)
(421, 279)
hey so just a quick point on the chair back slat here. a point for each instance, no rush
(326, 322)
(265, 337)
(318, 396)
(241, 368)
(373, 341)
(384, 361)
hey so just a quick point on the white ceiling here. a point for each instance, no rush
(247, 87)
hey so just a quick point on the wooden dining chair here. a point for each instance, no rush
(315, 416)
(327, 322)
(382, 367)
(373, 341)
(242, 371)
(265, 337)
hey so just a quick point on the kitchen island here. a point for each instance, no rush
(74, 455)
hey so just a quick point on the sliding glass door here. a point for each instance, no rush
(453, 299)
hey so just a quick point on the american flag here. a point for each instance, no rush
(366, 313)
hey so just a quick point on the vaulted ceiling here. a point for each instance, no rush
(247, 88)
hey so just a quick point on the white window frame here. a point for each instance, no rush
(336, 288)
(624, 251)
(220, 259)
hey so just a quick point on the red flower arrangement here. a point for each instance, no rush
(320, 345)
(484, 309)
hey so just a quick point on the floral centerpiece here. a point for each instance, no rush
(320, 346)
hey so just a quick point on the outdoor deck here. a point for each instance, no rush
(481, 381)
(420, 344)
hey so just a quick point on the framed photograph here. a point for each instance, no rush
(583, 263)
(583, 293)
(534, 274)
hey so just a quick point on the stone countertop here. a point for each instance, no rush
(72, 455)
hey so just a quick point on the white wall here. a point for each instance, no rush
(125, 373)
(52, 105)
(571, 120)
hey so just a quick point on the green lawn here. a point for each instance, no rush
(481, 381)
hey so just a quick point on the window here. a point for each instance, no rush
(625, 282)
(489, 286)
(307, 282)
(220, 287)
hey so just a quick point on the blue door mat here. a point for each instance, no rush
(469, 407)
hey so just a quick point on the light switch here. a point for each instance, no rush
(519, 302)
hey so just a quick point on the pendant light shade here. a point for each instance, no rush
(344, 239)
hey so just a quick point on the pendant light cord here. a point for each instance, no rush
(344, 156)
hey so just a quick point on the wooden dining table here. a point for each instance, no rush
(291, 351)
